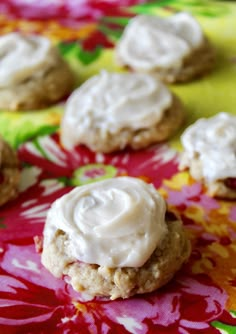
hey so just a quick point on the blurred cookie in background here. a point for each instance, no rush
(174, 48)
(210, 154)
(33, 74)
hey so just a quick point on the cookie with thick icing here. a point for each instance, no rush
(210, 154)
(113, 238)
(112, 111)
(174, 48)
(32, 72)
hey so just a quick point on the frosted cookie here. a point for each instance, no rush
(32, 72)
(9, 173)
(210, 154)
(111, 111)
(174, 48)
(113, 238)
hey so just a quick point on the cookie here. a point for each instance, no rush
(112, 111)
(210, 154)
(113, 238)
(174, 48)
(9, 173)
(33, 75)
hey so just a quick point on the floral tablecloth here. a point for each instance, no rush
(202, 296)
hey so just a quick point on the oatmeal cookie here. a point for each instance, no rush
(134, 247)
(210, 154)
(173, 48)
(112, 111)
(33, 75)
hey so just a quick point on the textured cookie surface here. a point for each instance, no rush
(9, 173)
(210, 154)
(97, 280)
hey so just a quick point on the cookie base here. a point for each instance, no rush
(138, 139)
(115, 283)
(10, 173)
(217, 189)
(40, 90)
(198, 63)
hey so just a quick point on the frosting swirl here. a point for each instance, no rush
(113, 101)
(115, 223)
(213, 142)
(150, 42)
(21, 56)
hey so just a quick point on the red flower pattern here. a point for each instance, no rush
(63, 10)
(33, 301)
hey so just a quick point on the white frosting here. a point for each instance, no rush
(213, 142)
(22, 56)
(113, 101)
(150, 42)
(115, 223)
